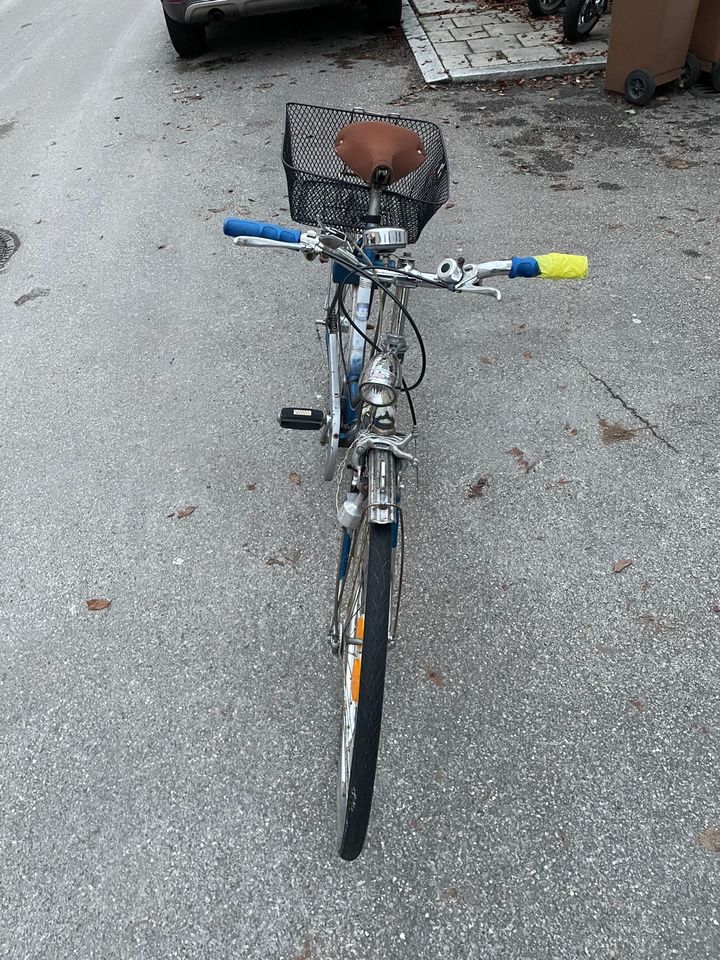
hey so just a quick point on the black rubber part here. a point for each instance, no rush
(301, 418)
(542, 8)
(189, 39)
(571, 21)
(691, 72)
(384, 13)
(715, 75)
(354, 818)
(639, 87)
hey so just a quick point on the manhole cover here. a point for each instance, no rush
(8, 245)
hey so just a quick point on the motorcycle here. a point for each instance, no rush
(579, 18)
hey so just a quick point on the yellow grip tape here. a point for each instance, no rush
(562, 266)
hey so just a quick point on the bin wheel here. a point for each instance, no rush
(690, 72)
(639, 87)
(715, 75)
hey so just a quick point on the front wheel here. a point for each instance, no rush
(580, 18)
(189, 39)
(384, 13)
(362, 619)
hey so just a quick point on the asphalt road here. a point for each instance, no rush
(548, 786)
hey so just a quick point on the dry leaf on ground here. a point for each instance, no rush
(621, 565)
(185, 512)
(676, 163)
(615, 432)
(98, 604)
(434, 676)
(710, 839)
(520, 457)
(478, 488)
(295, 478)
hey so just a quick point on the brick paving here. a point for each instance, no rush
(455, 40)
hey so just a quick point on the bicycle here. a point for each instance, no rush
(355, 176)
(579, 18)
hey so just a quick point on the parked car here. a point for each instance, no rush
(187, 19)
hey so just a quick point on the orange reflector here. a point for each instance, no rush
(355, 681)
(360, 627)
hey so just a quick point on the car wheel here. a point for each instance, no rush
(384, 13)
(188, 39)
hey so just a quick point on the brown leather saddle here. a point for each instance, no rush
(370, 148)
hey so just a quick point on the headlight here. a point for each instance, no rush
(378, 381)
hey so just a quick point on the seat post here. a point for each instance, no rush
(373, 214)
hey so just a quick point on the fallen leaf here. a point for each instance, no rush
(710, 839)
(621, 565)
(294, 478)
(449, 205)
(98, 604)
(571, 430)
(676, 163)
(284, 559)
(527, 355)
(161, 246)
(615, 432)
(306, 952)
(478, 488)
(485, 360)
(716, 608)
(251, 486)
(32, 295)
(638, 704)
(185, 512)
(521, 458)
(563, 481)
(434, 676)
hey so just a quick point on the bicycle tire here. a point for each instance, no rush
(354, 796)
(576, 26)
(543, 8)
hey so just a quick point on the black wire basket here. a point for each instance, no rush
(324, 192)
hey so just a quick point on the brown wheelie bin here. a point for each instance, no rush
(649, 44)
(705, 43)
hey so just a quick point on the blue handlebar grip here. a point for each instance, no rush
(256, 228)
(524, 267)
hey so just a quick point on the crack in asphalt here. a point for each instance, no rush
(630, 409)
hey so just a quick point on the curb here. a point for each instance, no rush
(423, 51)
(540, 68)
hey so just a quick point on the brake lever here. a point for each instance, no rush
(478, 288)
(472, 282)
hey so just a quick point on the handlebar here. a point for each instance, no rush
(450, 274)
(232, 227)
